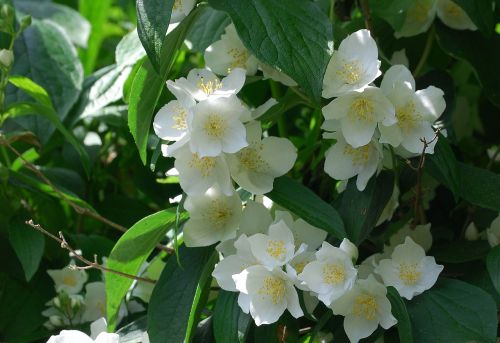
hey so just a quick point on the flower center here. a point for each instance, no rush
(407, 118)
(240, 57)
(177, 5)
(276, 248)
(359, 155)
(179, 118)
(365, 306)
(209, 87)
(219, 213)
(420, 11)
(69, 280)
(333, 273)
(350, 72)
(299, 267)
(409, 273)
(204, 164)
(275, 288)
(251, 159)
(362, 110)
(215, 125)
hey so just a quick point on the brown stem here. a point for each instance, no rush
(365, 8)
(89, 265)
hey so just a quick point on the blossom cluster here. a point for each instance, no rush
(273, 259)
(368, 121)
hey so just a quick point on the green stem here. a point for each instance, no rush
(426, 52)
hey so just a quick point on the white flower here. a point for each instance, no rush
(342, 161)
(359, 114)
(197, 174)
(454, 16)
(229, 53)
(409, 270)
(213, 217)
(390, 207)
(331, 275)
(75, 336)
(202, 84)
(95, 301)
(256, 166)
(68, 279)
(276, 248)
(303, 232)
(296, 266)
(216, 127)
(234, 264)
(349, 248)
(419, 18)
(420, 234)
(415, 111)
(493, 232)
(353, 66)
(365, 306)
(276, 75)
(181, 9)
(266, 294)
(171, 121)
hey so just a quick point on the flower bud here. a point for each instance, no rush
(7, 12)
(6, 57)
(471, 233)
(349, 248)
(25, 22)
(55, 320)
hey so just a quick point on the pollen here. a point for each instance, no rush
(179, 118)
(407, 117)
(252, 160)
(359, 156)
(69, 280)
(299, 266)
(365, 306)
(240, 57)
(362, 110)
(215, 125)
(276, 248)
(350, 72)
(204, 165)
(177, 5)
(333, 273)
(274, 288)
(209, 87)
(219, 213)
(409, 273)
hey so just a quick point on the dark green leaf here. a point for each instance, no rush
(460, 251)
(128, 255)
(147, 87)
(295, 36)
(28, 245)
(442, 165)
(207, 29)
(392, 11)
(75, 26)
(153, 17)
(481, 14)
(300, 200)
(453, 311)
(493, 265)
(230, 323)
(173, 297)
(401, 314)
(360, 210)
(480, 186)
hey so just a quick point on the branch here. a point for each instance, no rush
(365, 8)
(89, 265)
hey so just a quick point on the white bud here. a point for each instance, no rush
(349, 248)
(55, 320)
(471, 233)
(57, 302)
(6, 57)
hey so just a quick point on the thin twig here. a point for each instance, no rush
(77, 208)
(365, 8)
(89, 265)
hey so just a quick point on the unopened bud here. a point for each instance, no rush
(349, 248)
(471, 233)
(6, 57)
(25, 22)
(7, 12)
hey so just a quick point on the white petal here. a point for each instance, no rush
(357, 327)
(292, 299)
(225, 269)
(390, 135)
(432, 99)
(394, 76)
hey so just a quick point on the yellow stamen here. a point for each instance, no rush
(205, 165)
(409, 273)
(276, 248)
(275, 288)
(215, 125)
(407, 117)
(333, 274)
(240, 57)
(362, 109)
(350, 72)
(365, 306)
(359, 156)
(69, 280)
(179, 118)
(251, 158)
(210, 86)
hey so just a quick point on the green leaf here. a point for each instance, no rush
(29, 155)
(483, 54)
(300, 200)
(173, 297)
(32, 89)
(453, 311)
(481, 13)
(392, 11)
(28, 244)
(230, 323)
(128, 255)
(460, 251)
(442, 165)
(401, 314)
(360, 210)
(493, 265)
(75, 26)
(207, 29)
(148, 85)
(293, 35)
(22, 109)
(153, 17)
(480, 186)
(129, 50)
(45, 55)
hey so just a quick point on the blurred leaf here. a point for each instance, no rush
(129, 50)
(392, 11)
(230, 323)
(29, 155)
(442, 165)
(28, 244)
(493, 265)
(453, 311)
(128, 255)
(174, 296)
(401, 314)
(460, 251)
(96, 13)
(153, 18)
(148, 85)
(480, 186)
(300, 200)
(481, 13)
(75, 26)
(360, 210)
(207, 29)
(295, 36)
